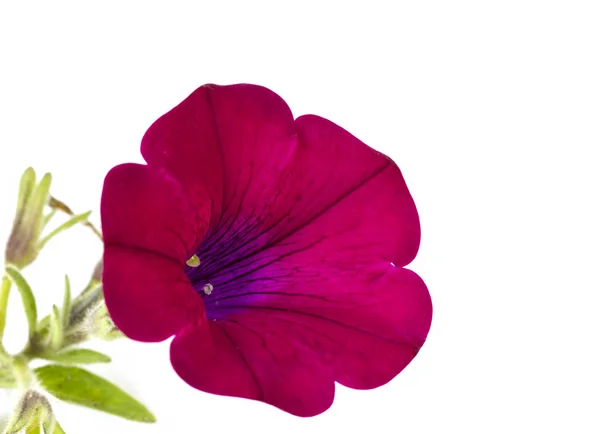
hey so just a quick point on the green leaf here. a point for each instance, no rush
(66, 307)
(78, 386)
(27, 297)
(78, 356)
(57, 332)
(69, 223)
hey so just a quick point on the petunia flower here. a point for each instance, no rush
(271, 248)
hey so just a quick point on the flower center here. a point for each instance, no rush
(194, 262)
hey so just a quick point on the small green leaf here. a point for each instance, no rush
(26, 186)
(48, 217)
(77, 356)
(34, 208)
(78, 386)
(40, 194)
(34, 429)
(52, 427)
(57, 332)
(69, 223)
(26, 295)
(5, 285)
(66, 308)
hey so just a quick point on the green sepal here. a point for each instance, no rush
(26, 296)
(78, 386)
(66, 225)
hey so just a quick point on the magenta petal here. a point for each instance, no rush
(288, 349)
(272, 175)
(148, 295)
(149, 231)
(252, 356)
(185, 142)
(148, 209)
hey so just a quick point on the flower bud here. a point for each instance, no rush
(30, 410)
(97, 274)
(22, 246)
(105, 328)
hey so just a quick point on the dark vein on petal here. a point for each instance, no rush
(278, 258)
(233, 220)
(306, 223)
(312, 315)
(258, 335)
(285, 294)
(231, 240)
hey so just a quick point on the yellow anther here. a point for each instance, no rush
(194, 261)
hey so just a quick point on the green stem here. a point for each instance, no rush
(4, 293)
(22, 372)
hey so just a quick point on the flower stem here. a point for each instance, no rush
(4, 293)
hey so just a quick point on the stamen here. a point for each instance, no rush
(207, 288)
(194, 261)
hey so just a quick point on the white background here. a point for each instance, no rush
(492, 111)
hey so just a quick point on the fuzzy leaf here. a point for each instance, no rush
(57, 332)
(34, 429)
(77, 356)
(68, 224)
(26, 186)
(78, 386)
(51, 426)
